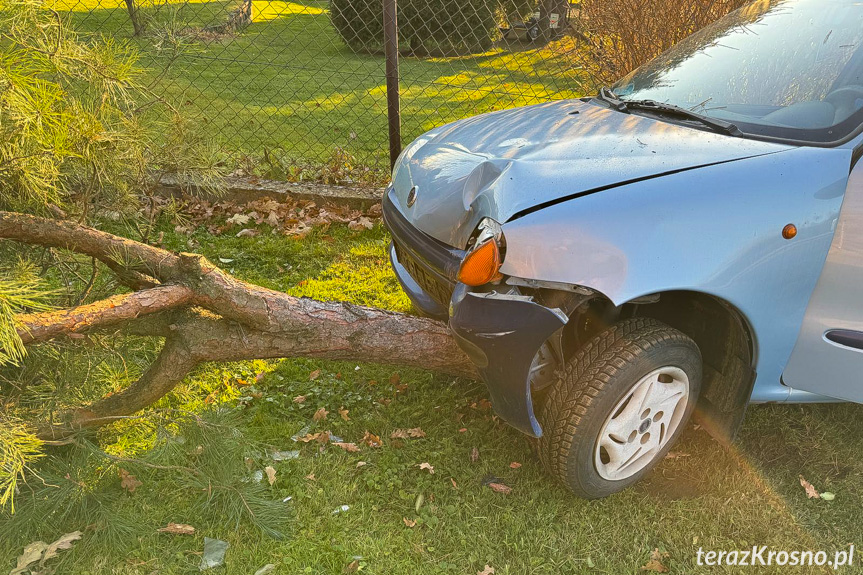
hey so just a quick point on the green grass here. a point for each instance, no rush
(289, 86)
(715, 498)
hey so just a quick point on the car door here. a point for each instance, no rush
(828, 356)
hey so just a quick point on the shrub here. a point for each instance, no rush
(621, 38)
(359, 23)
(427, 25)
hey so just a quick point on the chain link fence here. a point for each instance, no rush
(297, 89)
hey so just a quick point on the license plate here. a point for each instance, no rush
(426, 280)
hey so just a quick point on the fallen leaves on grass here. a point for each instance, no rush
(320, 414)
(351, 567)
(474, 455)
(344, 413)
(289, 216)
(314, 375)
(811, 492)
(427, 466)
(655, 562)
(178, 529)
(414, 433)
(129, 482)
(40, 552)
(488, 570)
(500, 488)
(321, 437)
(361, 464)
(311, 477)
(271, 474)
(349, 447)
(300, 399)
(409, 523)
(454, 484)
(372, 440)
(265, 569)
(514, 465)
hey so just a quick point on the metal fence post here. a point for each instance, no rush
(391, 49)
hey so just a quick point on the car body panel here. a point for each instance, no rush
(499, 164)
(821, 362)
(715, 230)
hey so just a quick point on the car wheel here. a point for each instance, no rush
(618, 406)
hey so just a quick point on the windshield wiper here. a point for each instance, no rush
(608, 96)
(672, 110)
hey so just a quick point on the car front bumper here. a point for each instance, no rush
(500, 332)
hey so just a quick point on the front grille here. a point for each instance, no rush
(431, 263)
(439, 291)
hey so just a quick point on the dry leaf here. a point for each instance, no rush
(299, 399)
(271, 474)
(655, 562)
(247, 233)
(344, 414)
(500, 488)
(352, 567)
(462, 430)
(361, 464)
(41, 552)
(489, 570)
(409, 523)
(395, 379)
(351, 447)
(315, 375)
(372, 440)
(321, 437)
(178, 529)
(676, 455)
(514, 465)
(428, 466)
(811, 492)
(61, 544)
(320, 414)
(414, 433)
(32, 553)
(239, 219)
(311, 477)
(474, 455)
(454, 484)
(129, 482)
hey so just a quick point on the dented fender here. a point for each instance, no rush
(502, 333)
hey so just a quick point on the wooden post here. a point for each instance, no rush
(391, 49)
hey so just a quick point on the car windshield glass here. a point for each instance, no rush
(788, 69)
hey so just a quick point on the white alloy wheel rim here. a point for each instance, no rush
(641, 423)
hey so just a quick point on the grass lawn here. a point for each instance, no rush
(708, 496)
(288, 85)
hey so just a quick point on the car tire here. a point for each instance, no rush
(618, 406)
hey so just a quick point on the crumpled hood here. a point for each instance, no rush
(499, 164)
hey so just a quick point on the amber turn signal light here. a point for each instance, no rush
(480, 265)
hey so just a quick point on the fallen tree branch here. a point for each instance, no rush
(207, 315)
(39, 327)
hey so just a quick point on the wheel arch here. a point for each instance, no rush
(726, 339)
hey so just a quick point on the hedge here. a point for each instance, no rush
(428, 25)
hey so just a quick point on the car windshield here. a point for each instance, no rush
(790, 69)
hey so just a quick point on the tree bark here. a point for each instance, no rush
(205, 315)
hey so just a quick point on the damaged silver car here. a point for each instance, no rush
(689, 237)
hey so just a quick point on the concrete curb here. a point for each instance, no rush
(247, 189)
